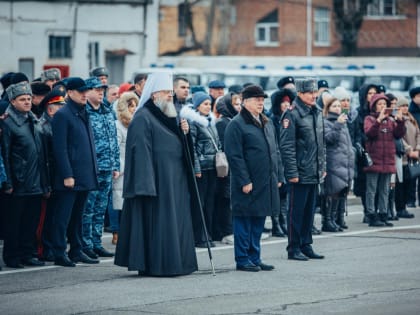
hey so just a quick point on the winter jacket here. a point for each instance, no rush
(340, 155)
(380, 142)
(414, 109)
(411, 138)
(205, 139)
(74, 148)
(105, 137)
(117, 185)
(253, 155)
(302, 144)
(23, 149)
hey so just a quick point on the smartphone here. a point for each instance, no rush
(345, 111)
(389, 111)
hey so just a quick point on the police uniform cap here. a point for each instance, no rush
(253, 91)
(306, 85)
(216, 84)
(414, 91)
(15, 90)
(98, 72)
(51, 74)
(95, 83)
(285, 80)
(54, 97)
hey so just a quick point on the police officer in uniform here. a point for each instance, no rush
(303, 155)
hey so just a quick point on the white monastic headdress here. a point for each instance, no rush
(157, 81)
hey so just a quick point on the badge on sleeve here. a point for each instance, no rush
(286, 123)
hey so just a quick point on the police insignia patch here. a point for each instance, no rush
(286, 123)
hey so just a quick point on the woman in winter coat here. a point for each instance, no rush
(206, 144)
(227, 107)
(126, 107)
(366, 93)
(411, 142)
(380, 129)
(340, 166)
(280, 102)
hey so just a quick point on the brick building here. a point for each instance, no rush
(286, 27)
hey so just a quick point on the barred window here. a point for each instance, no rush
(322, 27)
(60, 47)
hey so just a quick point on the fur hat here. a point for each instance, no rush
(51, 74)
(375, 99)
(18, 89)
(98, 72)
(306, 85)
(253, 91)
(18, 77)
(341, 93)
(40, 88)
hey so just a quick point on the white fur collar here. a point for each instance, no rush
(189, 113)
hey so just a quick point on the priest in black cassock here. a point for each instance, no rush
(156, 236)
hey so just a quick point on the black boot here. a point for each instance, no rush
(340, 213)
(283, 214)
(334, 208)
(374, 220)
(384, 218)
(391, 201)
(275, 227)
(327, 225)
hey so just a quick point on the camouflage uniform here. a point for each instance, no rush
(107, 155)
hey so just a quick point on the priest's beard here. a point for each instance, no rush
(167, 107)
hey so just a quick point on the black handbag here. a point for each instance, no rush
(364, 156)
(413, 168)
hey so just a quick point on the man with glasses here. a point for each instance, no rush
(156, 236)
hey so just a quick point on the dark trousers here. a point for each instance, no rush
(414, 190)
(22, 217)
(402, 191)
(47, 228)
(68, 221)
(301, 215)
(247, 237)
(222, 218)
(207, 190)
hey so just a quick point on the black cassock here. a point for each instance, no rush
(156, 236)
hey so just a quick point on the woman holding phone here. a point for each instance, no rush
(380, 129)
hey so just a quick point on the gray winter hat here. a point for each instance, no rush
(18, 89)
(306, 85)
(51, 74)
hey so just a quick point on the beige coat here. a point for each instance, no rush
(411, 139)
(117, 184)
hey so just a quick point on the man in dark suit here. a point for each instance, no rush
(75, 173)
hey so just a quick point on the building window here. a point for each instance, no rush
(382, 8)
(267, 30)
(322, 27)
(93, 54)
(60, 47)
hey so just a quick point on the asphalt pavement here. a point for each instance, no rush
(366, 271)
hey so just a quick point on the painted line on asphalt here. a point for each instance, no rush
(224, 247)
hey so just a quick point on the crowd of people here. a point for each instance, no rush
(79, 156)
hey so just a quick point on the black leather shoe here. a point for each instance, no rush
(311, 254)
(265, 267)
(14, 264)
(64, 261)
(47, 257)
(248, 267)
(32, 262)
(411, 205)
(90, 253)
(102, 252)
(405, 214)
(315, 231)
(297, 256)
(83, 258)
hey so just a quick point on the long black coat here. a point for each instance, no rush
(74, 148)
(253, 157)
(156, 235)
(23, 147)
(340, 156)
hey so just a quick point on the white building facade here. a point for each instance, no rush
(77, 36)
